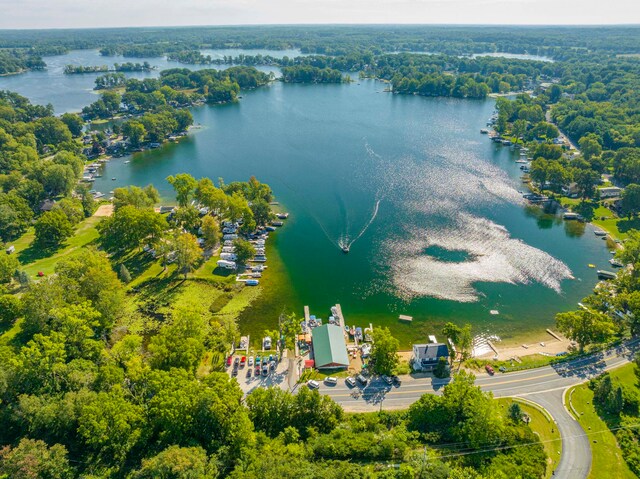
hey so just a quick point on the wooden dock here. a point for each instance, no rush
(340, 316)
(490, 344)
(554, 335)
(404, 317)
(306, 314)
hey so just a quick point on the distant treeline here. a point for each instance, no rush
(117, 67)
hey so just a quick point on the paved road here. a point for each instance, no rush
(545, 386)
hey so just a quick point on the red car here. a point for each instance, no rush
(243, 360)
(229, 361)
(489, 369)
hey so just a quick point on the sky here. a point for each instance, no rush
(130, 13)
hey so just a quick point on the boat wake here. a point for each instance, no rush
(345, 242)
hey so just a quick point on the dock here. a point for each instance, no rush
(490, 344)
(306, 314)
(554, 335)
(340, 316)
(404, 317)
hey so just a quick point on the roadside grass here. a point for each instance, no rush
(34, 259)
(529, 361)
(607, 458)
(543, 427)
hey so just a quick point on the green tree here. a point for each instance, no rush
(129, 228)
(585, 327)
(244, 251)
(124, 274)
(9, 265)
(181, 343)
(187, 251)
(515, 412)
(110, 426)
(135, 196)
(33, 459)
(590, 146)
(74, 123)
(210, 232)
(135, 132)
(519, 129)
(442, 368)
(52, 229)
(177, 462)
(630, 201)
(10, 309)
(262, 213)
(51, 131)
(586, 181)
(184, 186)
(384, 354)
(208, 195)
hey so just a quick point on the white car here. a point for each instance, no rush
(351, 382)
(250, 361)
(313, 384)
(331, 380)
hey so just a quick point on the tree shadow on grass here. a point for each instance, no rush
(136, 263)
(36, 252)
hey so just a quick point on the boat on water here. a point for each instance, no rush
(484, 131)
(345, 248)
(282, 216)
(252, 282)
(602, 274)
(600, 233)
(352, 331)
(522, 161)
(615, 263)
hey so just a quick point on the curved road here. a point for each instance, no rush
(544, 386)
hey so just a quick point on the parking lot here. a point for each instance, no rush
(276, 377)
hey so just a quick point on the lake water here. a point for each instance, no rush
(430, 207)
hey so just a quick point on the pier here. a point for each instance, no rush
(404, 317)
(306, 314)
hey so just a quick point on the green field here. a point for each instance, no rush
(607, 458)
(34, 260)
(544, 427)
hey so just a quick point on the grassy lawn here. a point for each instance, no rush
(528, 361)
(607, 459)
(543, 427)
(35, 259)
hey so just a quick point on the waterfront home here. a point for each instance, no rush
(329, 347)
(610, 192)
(426, 356)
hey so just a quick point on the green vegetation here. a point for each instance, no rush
(607, 458)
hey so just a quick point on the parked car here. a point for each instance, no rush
(350, 381)
(489, 369)
(243, 361)
(362, 380)
(503, 369)
(249, 372)
(272, 365)
(396, 381)
(313, 384)
(265, 369)
(229, 361)
(250, 361)
(387, 379)
(331, 380)
(234, 373)
(236, 363)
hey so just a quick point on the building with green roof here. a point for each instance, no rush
(329, 347)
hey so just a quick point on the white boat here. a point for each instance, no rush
(615, 263)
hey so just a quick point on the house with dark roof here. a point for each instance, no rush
(426, 356)
(329, 347)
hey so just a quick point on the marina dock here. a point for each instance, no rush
(404, 317)
(306, 314)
